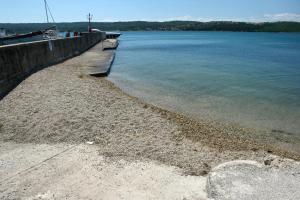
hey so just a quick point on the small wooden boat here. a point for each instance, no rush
(26, 35)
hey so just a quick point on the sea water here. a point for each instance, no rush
(252, 79)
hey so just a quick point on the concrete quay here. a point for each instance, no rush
(110, 44)
(21, 60)
(99, 59)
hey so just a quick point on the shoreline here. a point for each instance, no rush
(217, 134)
(171, 104)
(60, 104)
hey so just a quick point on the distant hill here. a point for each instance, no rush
(161, 26)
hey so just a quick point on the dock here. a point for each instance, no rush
(99, 59)
(110, 44)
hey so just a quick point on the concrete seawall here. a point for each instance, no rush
(21, 60)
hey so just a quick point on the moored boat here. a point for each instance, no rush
(109, 35)
(112, 35)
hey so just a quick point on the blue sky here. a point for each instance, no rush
(151, 10)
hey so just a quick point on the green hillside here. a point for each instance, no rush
(161, 26)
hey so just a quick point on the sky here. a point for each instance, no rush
(23, 11)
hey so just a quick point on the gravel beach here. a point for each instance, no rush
(72, 130)
(61, 104)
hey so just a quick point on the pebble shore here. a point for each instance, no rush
(62, 105)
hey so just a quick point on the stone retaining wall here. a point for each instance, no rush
(21, 60)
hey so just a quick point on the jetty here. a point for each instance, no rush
(18, 61)
(98, 60)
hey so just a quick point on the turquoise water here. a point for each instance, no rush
(252, 79)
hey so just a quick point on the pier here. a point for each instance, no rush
(98, 60)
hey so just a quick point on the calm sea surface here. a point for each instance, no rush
(252, 79)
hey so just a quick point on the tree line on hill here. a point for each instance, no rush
(159, 26)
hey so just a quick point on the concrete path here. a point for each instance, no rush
(39, 171)
(277, 179)
(65, 171)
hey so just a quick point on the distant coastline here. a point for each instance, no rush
(161, 26)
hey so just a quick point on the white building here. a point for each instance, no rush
(2, 32)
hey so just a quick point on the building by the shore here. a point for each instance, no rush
(3, 32)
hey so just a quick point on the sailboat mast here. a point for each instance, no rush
(46, 8)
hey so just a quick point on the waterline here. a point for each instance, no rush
(252, 79)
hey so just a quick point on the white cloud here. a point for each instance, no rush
(265, 18)
(283, 17)
(186, 18)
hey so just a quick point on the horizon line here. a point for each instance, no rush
(248, 22)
